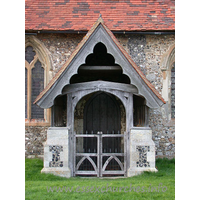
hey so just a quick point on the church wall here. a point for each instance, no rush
(35, 136)
(147, 52)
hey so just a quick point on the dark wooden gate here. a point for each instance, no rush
(100, 150)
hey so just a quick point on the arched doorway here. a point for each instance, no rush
(102, 113)
(100, 149)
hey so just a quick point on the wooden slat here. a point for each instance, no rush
(113, 172)
(112, 135)
(86, 154)
(100, 155)
(86, 173)
(86, 135)
(74, 161)
(112, 154)
(125, 153)
(100, 68)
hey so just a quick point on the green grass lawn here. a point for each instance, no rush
(160, 185)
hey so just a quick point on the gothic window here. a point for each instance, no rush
(37, 85)
(34, 84)
(37, 67)
(168, 90)
(173, 91)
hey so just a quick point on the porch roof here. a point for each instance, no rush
(52, 83)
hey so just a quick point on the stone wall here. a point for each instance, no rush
(60, 47)
(147, 52)
(35, 136)
(162, 127)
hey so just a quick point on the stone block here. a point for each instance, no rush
(56, 152)
(142, 151)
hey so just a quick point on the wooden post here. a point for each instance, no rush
(125, 154)
(70, 116)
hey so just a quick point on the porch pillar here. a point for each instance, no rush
(56, 152)
(142, 151)
(70, 125)
(129, 111)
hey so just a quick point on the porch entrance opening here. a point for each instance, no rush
(100, 149)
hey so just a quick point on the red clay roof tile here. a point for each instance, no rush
(125, 15)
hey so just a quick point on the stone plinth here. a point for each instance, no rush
(142, 151)
(56, 152)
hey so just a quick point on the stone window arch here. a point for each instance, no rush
(168, 91)
(37, 66)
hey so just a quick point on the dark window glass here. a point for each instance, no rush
(29, 54)
(37, 85)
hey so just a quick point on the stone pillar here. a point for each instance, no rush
(56, 152)
(142, 151)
